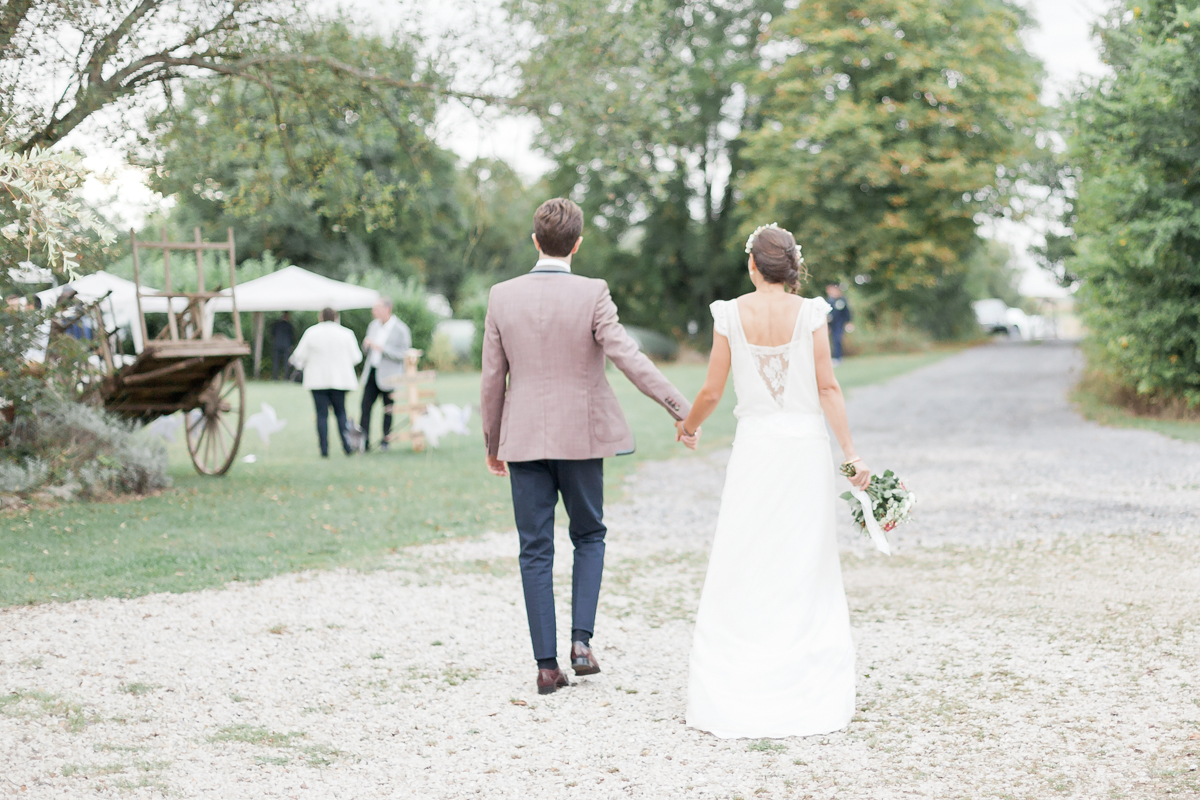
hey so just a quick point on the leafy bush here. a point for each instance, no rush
(887, 334)
(1136, 143)
(71, 449)
(475, 310)
(442, 356)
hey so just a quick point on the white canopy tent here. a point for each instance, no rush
(120, 302)
(290, 289)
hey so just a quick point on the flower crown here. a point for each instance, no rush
(760, 229)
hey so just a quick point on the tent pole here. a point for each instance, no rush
(258, 337)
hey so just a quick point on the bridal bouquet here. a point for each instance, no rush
(890, 503)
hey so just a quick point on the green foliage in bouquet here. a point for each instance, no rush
(890, 498)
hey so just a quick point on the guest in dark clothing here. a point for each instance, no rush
(283, 336)
(839, 319)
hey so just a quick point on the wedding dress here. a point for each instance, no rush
(772, 654)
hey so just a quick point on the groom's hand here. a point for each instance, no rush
(497, 467)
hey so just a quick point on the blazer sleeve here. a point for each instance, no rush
(494, 383)
(623, 351)
(352, 348)
(398, 343)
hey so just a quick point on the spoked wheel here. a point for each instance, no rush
(214, 428)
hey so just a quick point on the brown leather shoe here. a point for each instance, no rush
(550, 680)
(582, 660)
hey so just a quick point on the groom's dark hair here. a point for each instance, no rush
(557, 223)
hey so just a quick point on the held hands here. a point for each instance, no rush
(681, 435)
(497, 467)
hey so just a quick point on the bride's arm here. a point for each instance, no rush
(834, 404)
(710, 394)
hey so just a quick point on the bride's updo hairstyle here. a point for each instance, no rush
(778, 259)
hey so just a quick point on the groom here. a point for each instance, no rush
(549, 412)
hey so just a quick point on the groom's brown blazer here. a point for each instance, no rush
(544, 392)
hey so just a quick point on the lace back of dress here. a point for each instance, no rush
(773, 369)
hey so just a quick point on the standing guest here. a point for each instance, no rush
(327, 353)
(839, 319)
(283, 336)
(387, 341)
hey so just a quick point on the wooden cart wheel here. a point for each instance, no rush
(214, 428)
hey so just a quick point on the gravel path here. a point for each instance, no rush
(1042, 643)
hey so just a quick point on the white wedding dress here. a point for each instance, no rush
(772, 654)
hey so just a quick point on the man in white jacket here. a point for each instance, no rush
(327, 353)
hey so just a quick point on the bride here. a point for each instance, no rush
(772, 655)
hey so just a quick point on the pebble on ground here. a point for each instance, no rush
(1034, 637)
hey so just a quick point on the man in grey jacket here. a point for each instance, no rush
(386, 343)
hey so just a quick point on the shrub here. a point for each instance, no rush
(1135, 142)
(72, 449)
(887, 334)
(442, 356)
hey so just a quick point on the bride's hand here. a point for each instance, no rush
(689, 440)
(862, 476)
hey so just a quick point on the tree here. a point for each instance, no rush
(338, 177)
(47, 229)
(642, 104)
(46, 226)
(1135, 138)
(886, 131)
(61, 61)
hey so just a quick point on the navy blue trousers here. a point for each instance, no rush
(836, 332)
(324, 399)
(536, 486)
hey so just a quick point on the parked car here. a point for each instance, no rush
(995, 316)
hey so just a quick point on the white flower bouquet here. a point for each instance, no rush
(890, 503)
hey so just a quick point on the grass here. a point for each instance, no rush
(314, 755)
(255, 734)
(1094, 398)
(33, 704)
(292, 510)
(766, 746)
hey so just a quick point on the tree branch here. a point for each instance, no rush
(11, 17)
(96, 93)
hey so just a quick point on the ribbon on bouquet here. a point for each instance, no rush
(877, 534)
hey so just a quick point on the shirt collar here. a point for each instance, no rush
(552, 264)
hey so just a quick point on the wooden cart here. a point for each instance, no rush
(186, 367)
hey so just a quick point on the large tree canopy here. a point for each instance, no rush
(339, 175)
(642, 104)
(1135, 140)
(886, 133)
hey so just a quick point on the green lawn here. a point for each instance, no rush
(292, 510)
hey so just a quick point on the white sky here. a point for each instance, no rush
(1063, 41)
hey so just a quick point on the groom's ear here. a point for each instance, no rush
(537, 245)
(575, 249)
